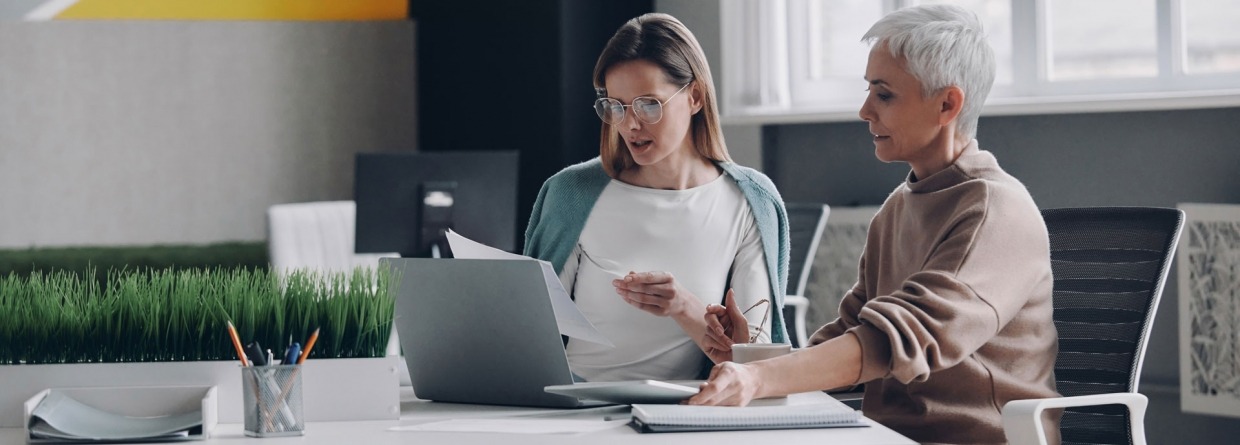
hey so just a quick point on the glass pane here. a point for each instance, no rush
(1210, 36)
(648, 109)
(836, 27)
(996, 16)
(1093, 39)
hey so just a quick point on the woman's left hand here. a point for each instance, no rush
(657, 293)
(725, 326)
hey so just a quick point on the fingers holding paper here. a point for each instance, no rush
(730, 384)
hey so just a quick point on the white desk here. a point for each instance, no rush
(414, 411)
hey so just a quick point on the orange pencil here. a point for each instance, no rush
(314, 336)
(232, 332)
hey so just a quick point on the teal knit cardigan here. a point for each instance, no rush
(566, 199)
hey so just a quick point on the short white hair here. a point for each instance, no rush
(942, 46)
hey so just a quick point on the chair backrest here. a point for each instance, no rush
(805, 223)
(316, 236)
(1110, 265)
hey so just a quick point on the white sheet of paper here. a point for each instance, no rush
(518, 426)
(568, 316)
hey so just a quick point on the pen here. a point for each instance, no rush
(256, 354)
(314, 336)
(236, 341)
(290, 356)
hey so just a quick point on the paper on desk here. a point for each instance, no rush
(517, 426)
(568, 317)
(61, 417)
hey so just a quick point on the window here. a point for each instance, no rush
(1211, 42)
(1086, 41)
(802, 60)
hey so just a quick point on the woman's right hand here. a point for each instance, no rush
(730, 384)
(725, 325)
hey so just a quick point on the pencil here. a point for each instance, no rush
(314, 336)
(236, 341)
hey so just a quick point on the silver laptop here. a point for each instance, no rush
(480, 331)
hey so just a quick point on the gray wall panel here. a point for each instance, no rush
(143, 132)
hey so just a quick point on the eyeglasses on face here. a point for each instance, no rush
(646, 108)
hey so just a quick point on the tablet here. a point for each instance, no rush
(629, 391)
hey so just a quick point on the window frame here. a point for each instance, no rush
(779, 96)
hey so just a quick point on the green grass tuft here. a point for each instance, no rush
(144, 315)
(23, 262)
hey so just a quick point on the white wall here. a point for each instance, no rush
(155, 132)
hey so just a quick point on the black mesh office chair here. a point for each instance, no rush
(1110, 264)
(805, 224)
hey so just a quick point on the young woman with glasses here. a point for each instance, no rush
(662, 223)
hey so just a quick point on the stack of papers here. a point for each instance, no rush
(59, 418)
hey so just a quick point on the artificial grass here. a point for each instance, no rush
(143, 315)
(230, 255)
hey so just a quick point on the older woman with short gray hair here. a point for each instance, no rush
(950, 317)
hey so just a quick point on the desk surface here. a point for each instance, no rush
(415, 411)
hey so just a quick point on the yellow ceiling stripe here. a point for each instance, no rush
(238, 10)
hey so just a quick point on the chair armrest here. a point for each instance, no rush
(1022, 419)
(800, 306)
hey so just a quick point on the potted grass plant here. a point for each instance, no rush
(168, 327)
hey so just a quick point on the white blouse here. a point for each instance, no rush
(699, 235)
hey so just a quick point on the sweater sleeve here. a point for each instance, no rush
(533, 232)
(563, 205)
(974, 281)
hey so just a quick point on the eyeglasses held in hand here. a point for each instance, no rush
(761, 324)
(646, 108)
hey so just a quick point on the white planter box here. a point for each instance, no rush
(332, 389)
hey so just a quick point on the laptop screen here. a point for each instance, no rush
(479, 331)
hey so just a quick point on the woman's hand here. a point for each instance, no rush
(725, 325)
(729, 384)
(657, 293)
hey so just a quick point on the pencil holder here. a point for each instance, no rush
(272, 398)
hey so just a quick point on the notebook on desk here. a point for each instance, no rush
(482, 331)
(683, 418)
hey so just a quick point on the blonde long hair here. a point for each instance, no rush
(664, 41)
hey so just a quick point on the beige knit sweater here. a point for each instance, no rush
(952, 306)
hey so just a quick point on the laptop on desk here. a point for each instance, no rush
(480, 331)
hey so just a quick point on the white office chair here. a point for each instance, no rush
(315, 236)
(805, 224)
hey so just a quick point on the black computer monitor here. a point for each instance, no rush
(407, 201)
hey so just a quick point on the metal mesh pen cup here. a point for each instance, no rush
(272, 398)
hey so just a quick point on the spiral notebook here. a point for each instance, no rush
(685, 418)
